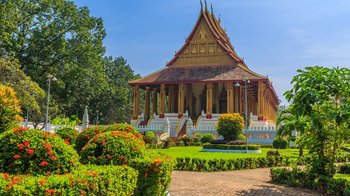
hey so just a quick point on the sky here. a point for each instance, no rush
(275, 38)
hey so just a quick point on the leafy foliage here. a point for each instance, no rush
(33, 151)
(230, 126)
(110, 180)
(69, 135)
(114, 147)
(149, 137)
(280, 143)
(322, 96)
(207, 138)
(9, 108)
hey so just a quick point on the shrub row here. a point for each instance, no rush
(304, 179)
(88, 180)
(197, 164)
(230, 147)
(344, 169)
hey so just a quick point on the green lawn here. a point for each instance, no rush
(345, 176)
(195, 152)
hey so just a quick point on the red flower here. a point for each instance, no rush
(30, 151)
(123, 166)
(20, 146)
(26, 143)
(53, 158)
(47, 146)
(42, 182)
(109, 156)
(50, 153)
(67, 141)
(155, 169)
(16, 156)
(44, 163)
(121, 157)
(50, 192)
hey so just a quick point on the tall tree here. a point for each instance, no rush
(58, 38)
(323, 96)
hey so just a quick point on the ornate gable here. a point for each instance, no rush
(208, 44)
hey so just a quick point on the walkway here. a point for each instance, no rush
(241, 182)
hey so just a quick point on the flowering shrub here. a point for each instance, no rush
(87, 180)
(10, 108)
(230, 126)
(154, 174)
(113, 147)
(85, 136)
(36, 152)
(69, 135)
(89, 133)
(149, 137)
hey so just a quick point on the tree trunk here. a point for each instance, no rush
(301, 151)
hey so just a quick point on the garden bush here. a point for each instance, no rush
(85, 136)
(68, 134)
(149, 137)
(304, 179)
(231, 147)
(280, 143)
(34, 152)
(10, 109)
(207, 138)
(230, 126)
(186, 140)
(87, 180)
(154, 174)
(117, 147)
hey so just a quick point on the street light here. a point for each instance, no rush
(50, 78)
(246, 82)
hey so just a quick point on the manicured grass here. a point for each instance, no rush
(195, 152)
(345, 176)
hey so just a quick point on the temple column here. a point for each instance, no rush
(171, 103)
(147, 102)
(236, 99)
(136, 110)
(181, 99)
(154, 101)
(209, 100)
(230, 94)
(189, 99)
(162, 101)
(260, 107)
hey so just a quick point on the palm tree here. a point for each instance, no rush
(292, 126)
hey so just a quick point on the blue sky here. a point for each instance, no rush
(275, 37)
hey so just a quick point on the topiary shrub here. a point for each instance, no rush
(117, 147)
(207, 138)
(149, 137)
(69, 135)
(186, 140)
(35, 152)
(85, 136)
(89, 133)
(280, 143)
(230, 126)
(10, 109)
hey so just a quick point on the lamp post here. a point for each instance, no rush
(246, 82)
(50, 78)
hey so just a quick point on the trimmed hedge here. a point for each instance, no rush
(344, 169)
(35, 152)
(154, 174)
(230, 147)
(88, 180)
(196, 164)
(280, 143)
(303, 179)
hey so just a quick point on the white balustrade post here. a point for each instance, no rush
(189, 127)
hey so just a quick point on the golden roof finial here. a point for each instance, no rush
(211, 8)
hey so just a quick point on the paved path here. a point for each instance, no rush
(241, 182)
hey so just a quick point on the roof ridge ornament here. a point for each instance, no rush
(211, 9)
(206, 6)
(201, 5)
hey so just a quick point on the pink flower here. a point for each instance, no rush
(30, 151)
(20, 146)
(48, 147)
(16, 156)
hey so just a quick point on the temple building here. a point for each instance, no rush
(204, 79)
